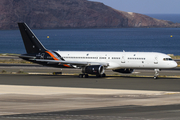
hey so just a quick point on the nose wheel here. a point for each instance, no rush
(156, 73)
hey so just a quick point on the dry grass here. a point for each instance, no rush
(12, 61)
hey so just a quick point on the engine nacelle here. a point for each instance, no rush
(126, 71)
(94, 69)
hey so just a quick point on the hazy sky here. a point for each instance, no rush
(145, 6)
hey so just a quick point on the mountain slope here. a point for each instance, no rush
(71, 14)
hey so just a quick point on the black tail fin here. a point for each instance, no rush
(31, 42)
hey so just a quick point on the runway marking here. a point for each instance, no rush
(108, 78)
(40, 73)
(172, 93)
(67, 117)
(136, 72)
(41, 90)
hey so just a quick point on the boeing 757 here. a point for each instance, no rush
(92, 62)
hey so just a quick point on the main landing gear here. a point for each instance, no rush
(101, 75)
(83, 75)
(97, 75)
(156, 73)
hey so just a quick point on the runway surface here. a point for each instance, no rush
(132, 83)
(130, 106)
(170, 112)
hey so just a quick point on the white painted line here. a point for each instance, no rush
(41, 90)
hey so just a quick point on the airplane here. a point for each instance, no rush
(90, 62)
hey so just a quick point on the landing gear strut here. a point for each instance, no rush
(156, 73)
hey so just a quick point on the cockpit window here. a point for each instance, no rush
(167, 59)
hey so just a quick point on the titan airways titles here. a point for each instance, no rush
(92, 62)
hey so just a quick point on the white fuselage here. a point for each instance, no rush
(118, 60)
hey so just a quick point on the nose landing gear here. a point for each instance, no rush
(156, 73)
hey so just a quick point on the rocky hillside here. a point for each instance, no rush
(71, 14)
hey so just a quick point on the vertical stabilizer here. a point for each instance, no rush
(31, 42)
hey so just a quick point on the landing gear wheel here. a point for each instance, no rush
(103, 75)
(80, 75)
(86, 75)
(155, 77)
(83, 75)
(98, 75)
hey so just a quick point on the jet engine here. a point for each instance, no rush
(126, 71)
(94, 69)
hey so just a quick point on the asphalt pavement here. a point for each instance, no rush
(142, 80)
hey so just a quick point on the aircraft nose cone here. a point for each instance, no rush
(174, 64)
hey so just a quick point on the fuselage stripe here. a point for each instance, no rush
(66, 65)
(52, 55)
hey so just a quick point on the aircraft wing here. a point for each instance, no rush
(80, 63)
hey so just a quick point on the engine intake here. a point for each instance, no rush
(94, 69)
(127, 71)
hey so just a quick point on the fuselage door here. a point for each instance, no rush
(156, 60)
(123, 59)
